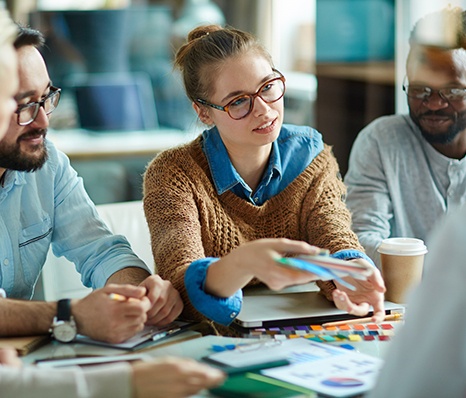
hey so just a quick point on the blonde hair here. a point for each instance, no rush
(207, 49)
(8, 29)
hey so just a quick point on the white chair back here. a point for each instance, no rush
(59, 276)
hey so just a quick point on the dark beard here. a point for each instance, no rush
(11, 157)
(458, 126)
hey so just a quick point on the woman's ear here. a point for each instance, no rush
(203, 114)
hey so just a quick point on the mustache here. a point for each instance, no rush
(440, 112)
(33, 134)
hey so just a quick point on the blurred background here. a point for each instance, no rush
(122, 102)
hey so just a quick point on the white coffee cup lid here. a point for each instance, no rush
(402, 247)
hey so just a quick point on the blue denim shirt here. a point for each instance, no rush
(294, 142)
(50, 207)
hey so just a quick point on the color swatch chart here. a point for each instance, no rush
(351, 333)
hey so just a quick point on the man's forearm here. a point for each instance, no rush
(22, 317)
(132, 276)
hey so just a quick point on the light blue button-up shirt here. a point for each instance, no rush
(50, 207)
(293, 150)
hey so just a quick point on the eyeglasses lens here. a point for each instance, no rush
(28, 114)
(270, 92)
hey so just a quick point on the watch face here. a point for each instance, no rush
(64, 332)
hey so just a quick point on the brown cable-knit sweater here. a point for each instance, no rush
(188, 220)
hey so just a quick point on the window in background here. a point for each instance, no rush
(114, 41)
(355, 68)
(291, 41)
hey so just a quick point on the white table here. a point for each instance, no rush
(81, 144)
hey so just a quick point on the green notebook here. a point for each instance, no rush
(255, 385)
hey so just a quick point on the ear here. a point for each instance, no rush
(203, 114)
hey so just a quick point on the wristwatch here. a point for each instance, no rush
(64, 327)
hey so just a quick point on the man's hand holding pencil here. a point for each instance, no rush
(112, 314)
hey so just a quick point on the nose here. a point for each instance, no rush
(41, 120)
(435, 102)
(260, 106)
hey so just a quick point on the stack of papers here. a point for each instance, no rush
(324, 368)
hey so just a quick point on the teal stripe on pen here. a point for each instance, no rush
(252, 368)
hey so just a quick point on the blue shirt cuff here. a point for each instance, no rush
(349, 254)
(219, 309)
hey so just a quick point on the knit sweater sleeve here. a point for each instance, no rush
(325, 217)
(173, 217)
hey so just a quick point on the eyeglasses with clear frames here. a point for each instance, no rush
(27, 113)
(240, 107)
(423, 93)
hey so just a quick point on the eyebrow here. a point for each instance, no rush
(239, 93)
(30, 93)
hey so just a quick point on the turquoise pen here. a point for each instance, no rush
(230, 371)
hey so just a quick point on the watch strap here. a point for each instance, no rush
(64, 310)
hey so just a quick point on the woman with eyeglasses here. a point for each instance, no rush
(223, 208)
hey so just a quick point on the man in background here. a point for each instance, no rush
(407, 171)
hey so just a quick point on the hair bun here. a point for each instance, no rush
(202, 31)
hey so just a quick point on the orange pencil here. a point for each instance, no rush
(391, 317)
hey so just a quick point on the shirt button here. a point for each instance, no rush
(6, 262)
(256, 199)
(233, 314)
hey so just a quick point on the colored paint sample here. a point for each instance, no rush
(384, 338)
(354, 337)
(316, 327)
(345, 327)
(386, 326)
(372, 326)
(289, 328)
(369, 337)
(387, 332)
(326, 338)
(331, 328)
(341, 336)
(359, 327)
(302, 328)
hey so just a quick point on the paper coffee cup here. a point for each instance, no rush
(402, 263)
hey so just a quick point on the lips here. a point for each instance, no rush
(435, 121)
(267, 127)
(34, 137)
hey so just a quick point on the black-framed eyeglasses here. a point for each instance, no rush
(240, 107)
(423, 93)
(27, 113)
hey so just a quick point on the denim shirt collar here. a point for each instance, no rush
(224, 174)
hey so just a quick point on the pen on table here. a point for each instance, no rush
(230, 371)
(391, 317)
(161, 335)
